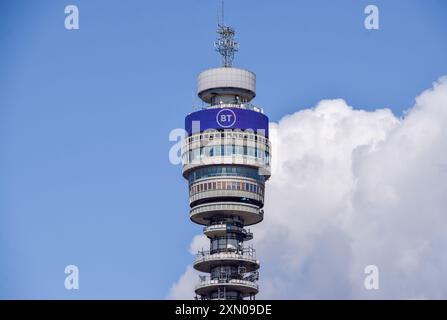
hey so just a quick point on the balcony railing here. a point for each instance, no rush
(247, 252)
(226, 206)
(209, 282)
(246, 105)
(228, 228)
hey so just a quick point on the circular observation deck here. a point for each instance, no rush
(221, 190)
(205, 261)
(245, 287)
(248, 213)
(221, 230)
(221, 82)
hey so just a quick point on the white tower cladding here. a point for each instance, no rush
(226, 160)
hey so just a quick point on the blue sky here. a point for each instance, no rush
(85, 116)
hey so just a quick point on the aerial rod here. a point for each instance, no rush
(225, 43)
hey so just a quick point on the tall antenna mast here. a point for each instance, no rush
(225, 43)
(223, 12)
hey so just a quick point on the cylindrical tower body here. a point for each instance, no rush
(226, 160)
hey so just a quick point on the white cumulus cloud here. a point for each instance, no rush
(352, 188)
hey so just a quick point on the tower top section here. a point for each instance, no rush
(226, 45)
(226, 85)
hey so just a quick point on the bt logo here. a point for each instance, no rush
(226, 118)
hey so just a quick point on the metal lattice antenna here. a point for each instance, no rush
(225, 44)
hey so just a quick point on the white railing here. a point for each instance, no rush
(241, 254)
(211, 282)
(228, 228)
(247, 105)
(227, 207)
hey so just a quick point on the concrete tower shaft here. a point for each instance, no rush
(226, 160)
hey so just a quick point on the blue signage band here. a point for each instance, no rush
(226, 118)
